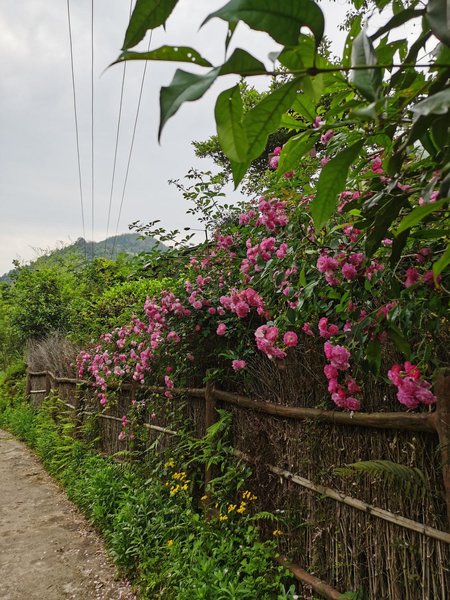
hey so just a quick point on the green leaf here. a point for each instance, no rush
(265, 116)
(243, 63)
(331, 182)
(263, 119)
(147, 14)
(442, 263)
(438, 12)
(373, 354)
(399, 340)
(185, 87)
(168, 53)
(231, 29)
(294, 149)
(419, 213)
(228, 113)
(238, 170)
(366, 81)
(300, 56)
(386, 51)
(437, 104)
(399, 19)
(281, 20)
(354, 30)
(303, 105)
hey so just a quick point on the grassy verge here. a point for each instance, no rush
(151, 526)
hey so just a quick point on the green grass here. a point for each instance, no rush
(161, 541)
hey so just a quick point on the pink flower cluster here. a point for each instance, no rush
(349, 266)
(266, 337)
(240, 303)
(326, 331)
(273, 213)
(411, 389)
(342, 393)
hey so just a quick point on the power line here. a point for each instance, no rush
(76, 124)
(117, 143)
(131, 147)
(92, 128)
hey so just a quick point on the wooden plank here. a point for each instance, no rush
(316, 584)
(443, 429)
(391, 420)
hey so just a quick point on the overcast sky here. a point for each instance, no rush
(40, 201)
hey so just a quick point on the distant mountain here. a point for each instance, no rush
(127, 243)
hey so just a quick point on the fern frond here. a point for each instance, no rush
(389, 471)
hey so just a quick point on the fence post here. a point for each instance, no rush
(443, 429)
(210, 419)
(79, 408)
(28, 385)
(48, 385)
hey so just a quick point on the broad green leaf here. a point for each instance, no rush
(380, 215)
(185, 87)
(399, 340)
(438, 12)
(230, 131)
(281, 20)
(147, 14)
(265, 117)
(294, 149)
(419, 213)
(354, 30)
(313, 87)
(366, 81)
(300, 56)
(331, 182)
(373, 354)
(399, 19)
(167, 53)
(437, 104)
(262, 120)
(305, 107)
(442, 263)
(231, 29)
(385, 51)
(238, 170)
(243, 63)
(431, 234)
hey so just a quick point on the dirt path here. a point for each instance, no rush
(47, 549)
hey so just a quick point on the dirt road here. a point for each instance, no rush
(47, 549)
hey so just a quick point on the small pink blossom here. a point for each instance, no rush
(221, 329)
(238, 364)
(290, 339)
(349, 272)
(412, 277)
(306, 328)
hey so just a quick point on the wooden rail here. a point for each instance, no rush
(388, 420)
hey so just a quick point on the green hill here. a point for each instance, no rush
(127, 243)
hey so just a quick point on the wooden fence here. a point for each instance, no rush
(434, 424)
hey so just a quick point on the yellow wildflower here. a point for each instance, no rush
(277, 533)
(184, 487)
(242, 508)
(223, 517)
(170, 463)
(174, 490)
(204, 498)
(231, 507)
(169, 543)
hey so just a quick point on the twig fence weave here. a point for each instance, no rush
(436, 423)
